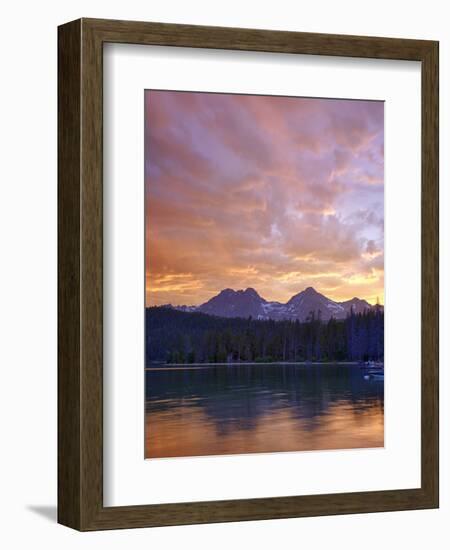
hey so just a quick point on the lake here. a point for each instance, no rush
(216, 410)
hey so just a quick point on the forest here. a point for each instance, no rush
(174, 336)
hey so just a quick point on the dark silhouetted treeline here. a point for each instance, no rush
(174, 336)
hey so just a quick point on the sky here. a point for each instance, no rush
(273, 193)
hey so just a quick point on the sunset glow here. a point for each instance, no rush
(274, 193)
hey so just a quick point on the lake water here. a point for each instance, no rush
(217, 410)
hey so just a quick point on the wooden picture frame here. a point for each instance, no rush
(80, 271)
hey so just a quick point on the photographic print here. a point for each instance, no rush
(264, 283)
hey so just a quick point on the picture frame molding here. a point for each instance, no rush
(80, 274)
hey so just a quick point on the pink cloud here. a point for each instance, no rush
(242, 187)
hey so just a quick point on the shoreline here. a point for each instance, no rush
(158, 366)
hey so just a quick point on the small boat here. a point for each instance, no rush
(374, 376)
(373, 370)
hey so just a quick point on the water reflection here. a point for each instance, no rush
(196, 411)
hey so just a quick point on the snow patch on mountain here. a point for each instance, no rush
(302, 306)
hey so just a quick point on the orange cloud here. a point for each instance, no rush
(269, 192)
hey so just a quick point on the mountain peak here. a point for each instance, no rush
(356, 301)
(251, 292)
(310, 290)
(235, 303)
(227, 292)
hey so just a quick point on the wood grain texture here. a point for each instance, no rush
(80, 220)
(69, 245)
(430, 272)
